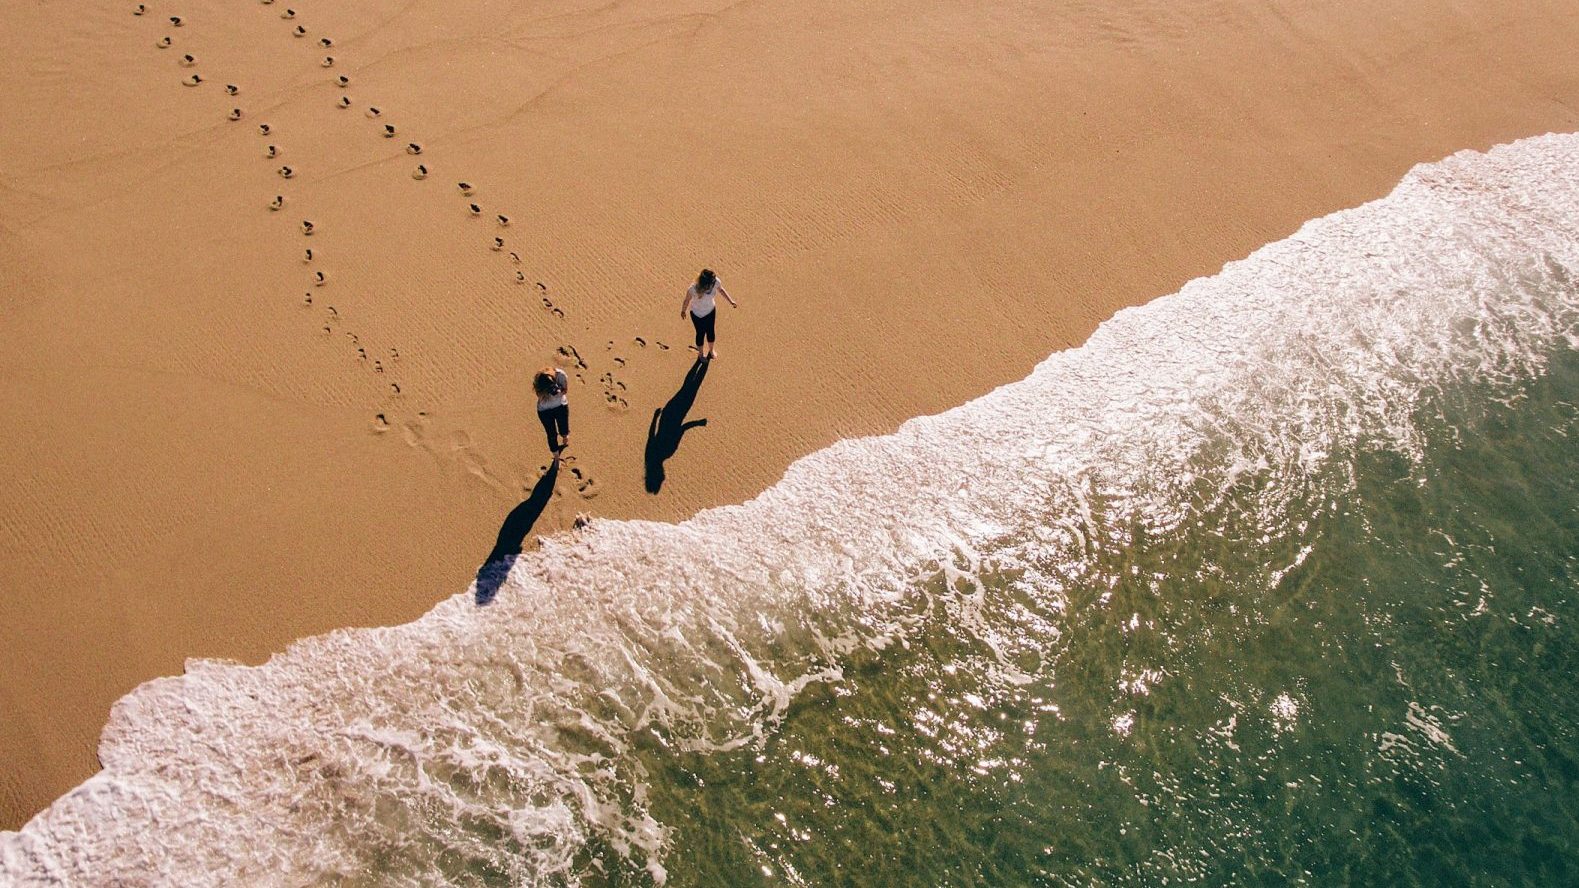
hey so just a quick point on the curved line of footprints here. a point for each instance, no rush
(386, 361)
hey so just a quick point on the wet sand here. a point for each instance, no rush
(209, 452)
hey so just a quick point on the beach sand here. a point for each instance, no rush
(913, 203)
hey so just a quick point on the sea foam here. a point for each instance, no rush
(494, 744)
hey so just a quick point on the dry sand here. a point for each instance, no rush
(914, 202)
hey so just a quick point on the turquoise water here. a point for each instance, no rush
(1367, 677)
(1269, 582)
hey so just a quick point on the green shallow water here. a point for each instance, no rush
(1365, 675)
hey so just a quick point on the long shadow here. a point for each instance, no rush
(668, 425)
(512, 534)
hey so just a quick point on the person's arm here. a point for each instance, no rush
(725, 293)
(564, 384)
(686, 305)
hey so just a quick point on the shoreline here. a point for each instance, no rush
(198, 469)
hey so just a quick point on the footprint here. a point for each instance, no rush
(569, 353)
(415, 430)
(640, 342)
(478, 467)
(610, 398)
(587, 487)
(558, 313)
(380, 424)
(460, 440)
(619, 362)
(394, 388)
(660, 345)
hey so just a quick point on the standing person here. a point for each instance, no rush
(553, 406)
(703, 310)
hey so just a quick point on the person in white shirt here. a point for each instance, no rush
(553, 406)
(700, 305)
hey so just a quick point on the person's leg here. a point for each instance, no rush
(562, 420)
(546, 417)
(701, 330)
(711, 324)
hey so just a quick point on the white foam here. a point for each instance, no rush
(497, 737)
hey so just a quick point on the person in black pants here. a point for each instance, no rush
(553, 406)
(699, 304)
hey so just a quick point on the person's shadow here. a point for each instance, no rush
(669, 426)
(512, 534)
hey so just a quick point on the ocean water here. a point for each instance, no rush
(1272, 581)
